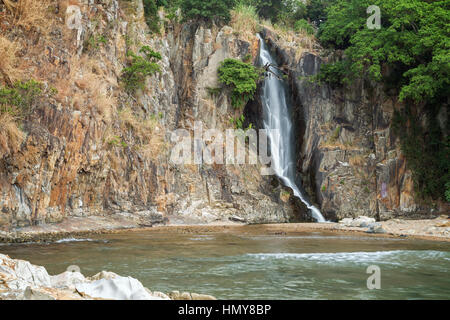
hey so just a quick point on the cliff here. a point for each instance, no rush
(91, 149)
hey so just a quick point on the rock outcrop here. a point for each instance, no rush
(20, 280)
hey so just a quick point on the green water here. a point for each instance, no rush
(251, 266)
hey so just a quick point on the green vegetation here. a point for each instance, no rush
(333, 74)
(303, 25)
(287, 13)
(16, 102)
(427, 152)
(19, 99)
(447, 191)
(242, 78)
(94, 42)
(413, 41)
(410, 55)
(238, 123)
(336, 133)
(134, 76)
(207, 9)
(117, 141)
(214, 92)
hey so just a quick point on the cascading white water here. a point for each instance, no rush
(276, 116)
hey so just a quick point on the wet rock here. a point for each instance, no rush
(36, 294)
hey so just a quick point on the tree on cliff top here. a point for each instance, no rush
(207, 9)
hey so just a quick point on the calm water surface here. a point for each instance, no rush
(252, 266)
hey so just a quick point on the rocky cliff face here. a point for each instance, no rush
(348, 154)
(92, 149)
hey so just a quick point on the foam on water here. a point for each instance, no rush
(390, 257)
(68, 240)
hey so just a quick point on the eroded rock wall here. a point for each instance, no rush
(92, 149)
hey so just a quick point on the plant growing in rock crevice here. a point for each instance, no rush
(141, 67)
(242, 78)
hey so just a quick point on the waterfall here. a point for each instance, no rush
(276, 116)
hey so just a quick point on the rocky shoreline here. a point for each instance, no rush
(437, 229)
(20, 280)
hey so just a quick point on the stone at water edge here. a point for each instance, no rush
(176, 295)
(360, 222)
(118, 288)
(67, 280)
(376, 228)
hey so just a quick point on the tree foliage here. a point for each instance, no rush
(285, 12)
(303, 25)
(414, 39)
(241, 77)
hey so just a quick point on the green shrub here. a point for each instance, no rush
(334, 74)
(303, 25)
(207, 9)
(213, 92)
(426, 151)
(238, 122)
(140, 68)
(242, 78)
(94, 42)
(19, 99)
